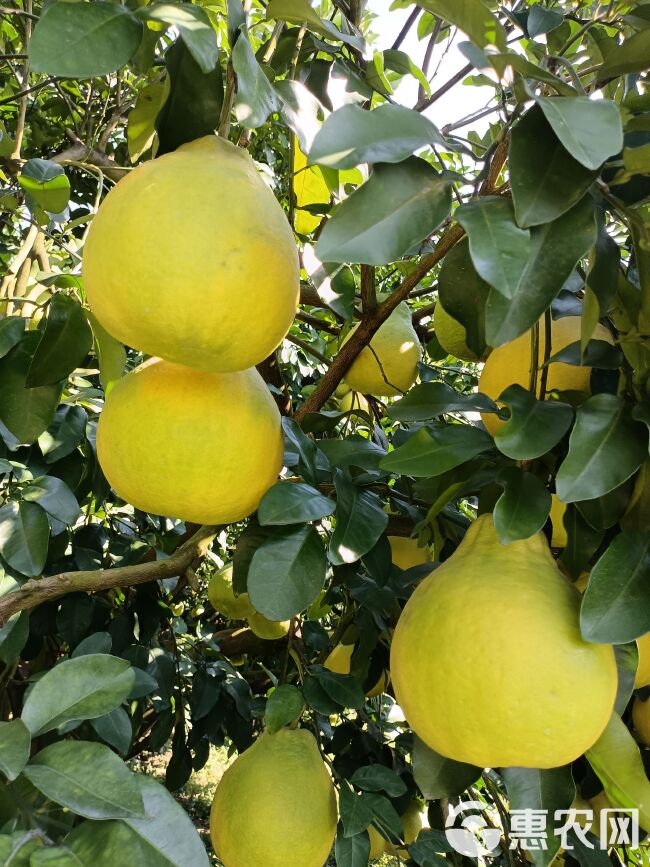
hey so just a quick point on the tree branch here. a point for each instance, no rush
(39, 590)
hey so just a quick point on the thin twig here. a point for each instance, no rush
(421, 104)
(410, 21)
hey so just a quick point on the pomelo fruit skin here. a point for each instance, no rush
(559, 536)
(192, 259)
(269, 630)
(641, 719)
(275, 806)
(223, 599)
(451, 334)
(388, 366)
(510, 364)
(406, 552)
(340, 660)
(203, 447)
(642, 677)
(488, 663)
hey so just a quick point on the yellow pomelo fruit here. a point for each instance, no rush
(378, 843)
(406, 552)
(340, 660)
(267, 629)
(191, 258)
(353, 400)
(204, 447)
(582, 581)
(451, 334)
(537, 696)
(559, 537)
(309, 188)
(597, 804)
(275, 806)
(388, 366)
(641, 719)
(642, 677)
(223, 599)
(510, 364)
(413, 823)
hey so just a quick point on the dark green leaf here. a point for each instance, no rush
(616, 605)
(54, 856)
(606, 446)
(293, 503)
(193, 106)
(300, 11)
(305, 448)
(603, 512)
(83, 688)
(110, 352)
(115, 729)
(27, 412)
(256, 98)
(389, 134)
(56, 499)
(500, 249)
(438, 776)
(542, 20)
(15, 743)
(472, 17)
(545, 791)
(433, 451)
(425, 851)
(396, 208)
(602, 278)
(317, 698)
(590, 129)
(555, 249)
(587, 852)
(598, 353)
(12, 330)
(81, 40)
(360, 521)
(64, 434)
(378, 778)
(15, 630)
(351, 851)
(88, 779)
(582, 542)
(283, 706)
(431, 399)
(546, 180)
(630, 56)
(24, 537)
(46, 183)
(344, 689)
(194, 25)
(354, 451)
(534, 427)
(287, 572)
(463, 293)
(98, 642)
(522, 509)
(66, 341)
(355, 810)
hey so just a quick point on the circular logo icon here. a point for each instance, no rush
(473, 838)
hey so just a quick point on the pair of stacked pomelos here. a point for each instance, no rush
(191, 260)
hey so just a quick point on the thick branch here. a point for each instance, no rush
(39, 590)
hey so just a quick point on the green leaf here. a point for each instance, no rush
(555, 249)
(598, 353)
(463, 294)
(46, 183)
(351, 851)
(293, 503)
(378, 778)
(433, 451)
(396, 208)
(438, 776)
(400, 62)
(82, 40)
(534, 426)
(194, 25)
(605, 447)
(630, 56)
(15, 743)
(15, 631)
(141, 126)
(389, 134)
(66, 341)
(616, 759)
(522, 509)
(27, 412)
(12, 330)
(56, 499)
(546, 181)
(287, 572)
(500, 249)
(355, 810)
(354, 451)
(64, 434)
(193, 106)
(344, 689)
(582, 542)
(54, 856)
(86, 687)
(256, 98)
(115, 729)
(616, 605)
(284, 705)
(24, 537)
(542, 791)
(88, 779)
(470, 16)
(110, 353)
(360, 521)
(306, 452)
(542, 20)
(431, 399)
(590, 129)
(301, 12)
